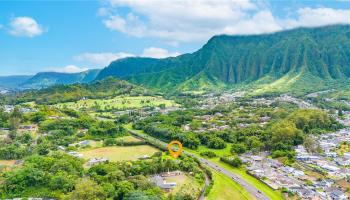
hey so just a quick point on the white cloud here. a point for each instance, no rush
(25, 27)
(154, 52)
(312, 17)
(67, 69)
(261, 22)
(101, 59)
(178, 21)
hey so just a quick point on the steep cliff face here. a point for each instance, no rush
(323, 53)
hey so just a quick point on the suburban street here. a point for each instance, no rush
(250, 188)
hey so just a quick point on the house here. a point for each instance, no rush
(326, 183)
(28, 127)
(331, 154)
(187, 127)
(144, 157)
(75, 154)
(173, 173)
(338, 195)
(330, 168)
(287, 169)
(95, 161)
(307, 158)
(257, 158)
(302, 192)
(54, 117)
(346, 155)
(342, 162)
(265, 119)
(84, 143)
(298, 173)
(160, 182)
(62, 148)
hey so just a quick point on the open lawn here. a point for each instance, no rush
(119, 153)
(119, 102)
(224, 188)
(183, 181)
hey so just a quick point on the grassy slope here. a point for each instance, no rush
(224, 188)
(274, 195)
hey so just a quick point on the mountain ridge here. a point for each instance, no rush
(322, 52)
(46, 79)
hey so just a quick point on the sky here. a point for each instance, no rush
(73, 36)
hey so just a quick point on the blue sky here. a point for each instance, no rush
(71, 36)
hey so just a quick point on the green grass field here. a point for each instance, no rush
(224, 188)
(129, 138)
(272, 194)
(119, 153)
(184, 181)
(119, 102)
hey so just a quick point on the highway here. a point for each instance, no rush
(250, 188)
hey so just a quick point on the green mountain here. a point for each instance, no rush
(46, 79)
(282, 61)
(12, 82)
(109, 87)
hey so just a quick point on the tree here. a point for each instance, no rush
(216, 143)
(139, 195)
(62, 181)
(123, 188)
(86, 189)
(14, 123)
(311, 145)
(284, 135)
(238, 148)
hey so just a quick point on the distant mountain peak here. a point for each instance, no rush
(46, 79)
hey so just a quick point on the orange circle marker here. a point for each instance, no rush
(177, 153)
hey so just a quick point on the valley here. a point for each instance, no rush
(257, 115)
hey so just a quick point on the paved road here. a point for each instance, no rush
(250, 188)
(207, 182)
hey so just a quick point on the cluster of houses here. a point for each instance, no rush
(211, 100)
(272, 172)
(332, 162)
(10, 108)
(277, 176)
(284, 98)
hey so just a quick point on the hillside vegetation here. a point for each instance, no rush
(279, 61)
(46, 79)
(109, 87)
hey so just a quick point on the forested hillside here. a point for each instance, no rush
(318, 55)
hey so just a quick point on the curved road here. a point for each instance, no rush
(250, 188)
